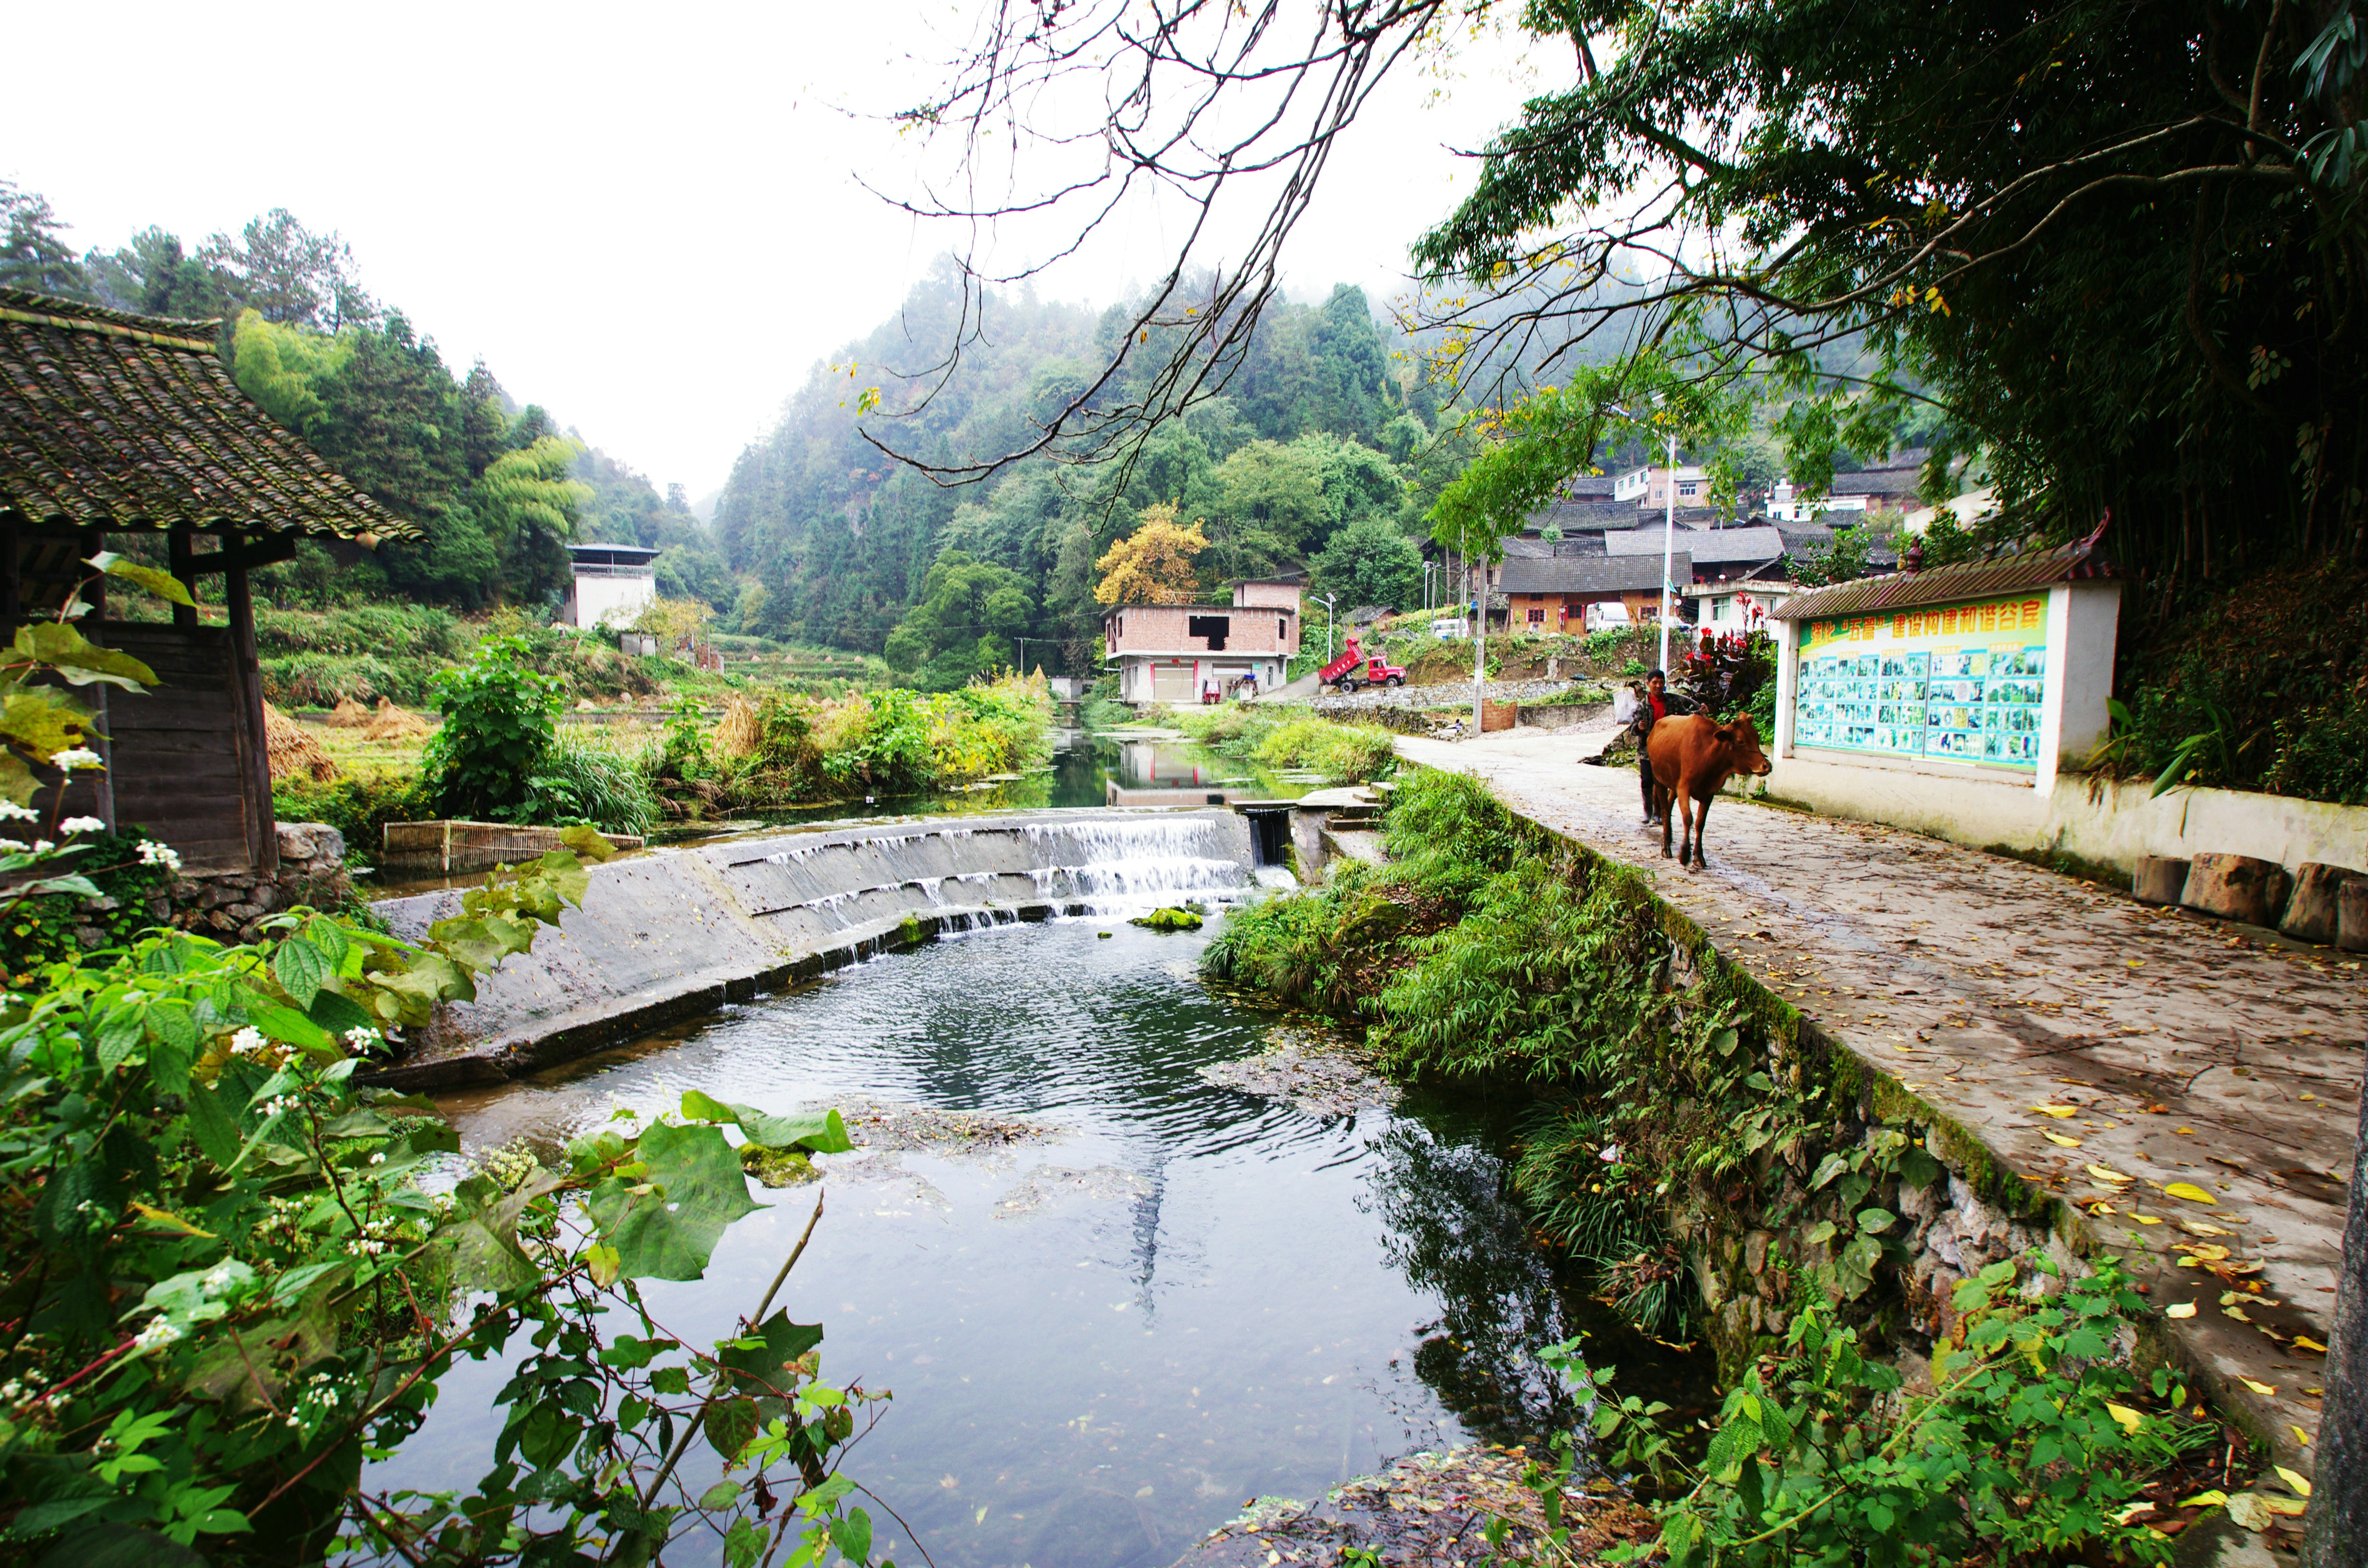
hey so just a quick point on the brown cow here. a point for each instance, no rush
(1692, 757)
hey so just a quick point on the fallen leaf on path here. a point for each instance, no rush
(2059, 1139)
(2199, 1252)
(2187, 1191)
(2236, 1312)
(2304, 1342)
(2198, 1228)
(2107, 1172)
(2179, 1310)
(2300, 1435)
(2247, 1510)
(2147, 1219)
(2056, 1109)
(2215, 1498)
(2301, 1483)
(2267, 1391)
(2291, 1508)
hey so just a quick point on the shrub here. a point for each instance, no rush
(44, 930)
(1344, 754)
(360, 807)
(496, 732)
(585, 776)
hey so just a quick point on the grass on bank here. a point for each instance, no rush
(1482, 955)
(1291, 738)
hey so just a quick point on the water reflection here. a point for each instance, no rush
(1101, 1344)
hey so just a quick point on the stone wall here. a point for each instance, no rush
(229, 906)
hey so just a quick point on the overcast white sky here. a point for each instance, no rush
(644, 219)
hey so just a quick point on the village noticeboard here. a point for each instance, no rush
(1962, 684)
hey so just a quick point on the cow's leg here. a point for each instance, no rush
(1700, 823)
(1664, 798)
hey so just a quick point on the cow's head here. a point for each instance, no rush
(1742, 737)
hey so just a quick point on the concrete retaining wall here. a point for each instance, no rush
(669, 933)
(2109, 822)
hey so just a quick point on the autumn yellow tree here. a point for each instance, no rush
(1153, 564)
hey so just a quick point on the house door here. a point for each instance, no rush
(1173, 683)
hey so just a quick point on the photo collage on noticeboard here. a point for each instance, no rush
(1954, 683)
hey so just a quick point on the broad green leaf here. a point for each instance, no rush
(164, 584)
(290, 1026)
(16, 781)
(852, 1535)
(171, 1022)
(326, 934)
(730, 1423)
(250, 1364)
(822, 1133)
(210, 1120)
(43, 719)
(1829, 1167)
(301, 970)
(698, 1190)
(589, 842)
(483, 1235)
(1919, 1168)
(338, 1013)
(723, 1495)
(119, 1035)
(79, 661)
(1874, 1220)
(758, 1362)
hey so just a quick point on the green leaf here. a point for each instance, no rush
(1874, 1220)
(330, 938)
(1919, 1168)
(758, 1362)
(216, 1131)
(338, 1013)
(482, 1236)
(821, 1132)
(301, 970)
(290, 1026)
(164, 584)
(119, 1035)
(1819, 1233)
(723, 1495)
(79, 661)
(589, 842)
(1829, 1167)
(852, 1536)
(670, 1231)
(730, 1423)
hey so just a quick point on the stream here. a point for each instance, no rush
(1106, 1338)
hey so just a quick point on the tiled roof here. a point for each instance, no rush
(1574, 514)
(1708, 547)
(1592, 573)
(1530, 549)
(1948, 585)
(121, 421)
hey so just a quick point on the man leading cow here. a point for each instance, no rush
(1658, 703)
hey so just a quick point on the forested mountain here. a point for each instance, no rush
(1320, 453)
(1315, 433)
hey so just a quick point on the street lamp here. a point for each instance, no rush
(1329, 599)
(1668, 535)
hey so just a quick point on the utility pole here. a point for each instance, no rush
(1328, 600)
(1479, 638)
(1668, 547)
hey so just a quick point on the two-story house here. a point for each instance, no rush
(1177, 653)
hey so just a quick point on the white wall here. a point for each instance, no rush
(609, 601)
(2061, 810)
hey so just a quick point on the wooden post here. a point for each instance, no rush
(246, 687)
(95, 628)
(178, 556)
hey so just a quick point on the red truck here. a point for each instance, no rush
(1343, 672)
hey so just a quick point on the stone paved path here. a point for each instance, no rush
(2187, 1050)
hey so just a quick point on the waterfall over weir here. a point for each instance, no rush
(669, 933)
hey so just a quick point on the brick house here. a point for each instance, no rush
(1552, 593)
(1177, 653)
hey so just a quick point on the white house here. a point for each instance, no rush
(1785, 506)
(611, 586)
(1184, 653)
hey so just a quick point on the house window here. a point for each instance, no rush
(1537, 616)
(1212, 627)
(1719, 607)
(1122, 626)
(1281, 628)
(1687, 488)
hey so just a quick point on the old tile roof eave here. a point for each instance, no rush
(123, 422)
(1948, 585)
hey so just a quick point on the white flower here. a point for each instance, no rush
(72, 826)
(13, 847)
(363, 1037)
(155, 854)
(42, 846)
(73, 757)
(246, 1042)
(217, 1279)
(11, 812)
(158, 1334)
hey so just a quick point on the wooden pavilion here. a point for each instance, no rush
(115, 424)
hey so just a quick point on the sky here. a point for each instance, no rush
(648, 220)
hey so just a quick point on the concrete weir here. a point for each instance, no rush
(669, 933)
